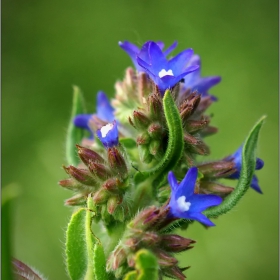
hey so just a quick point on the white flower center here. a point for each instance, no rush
(182, 204)
(105, 129)
(163, 73)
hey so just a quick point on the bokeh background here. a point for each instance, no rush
(48, 46)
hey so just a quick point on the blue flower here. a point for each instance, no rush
(108, 134)
(133, 51)
(194, 81)
(184, 203)
(165, 73)
(104, 111)
(237, 159)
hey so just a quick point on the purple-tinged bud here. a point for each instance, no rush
(139, 220)
(150, 238)
(117, 162)
(189, 105)
(81, 175)
(213, 187)
(144, 153)
(76, 200)
(144, 87)
(132, 243)
(155, 106)
(87, 155)
(99, 170)
(217, 169)
(204, 104)
(209, 130)
(156, 131)
(101, 196)
(193, 126)
(175, 273)
(108, 134)
(111, 184)
(195, 145)
(117, 258)
(143, 139)
(165, 259)
(112, 204)
(131, 260)
(141, 121)
(70, 184)
(176, 243)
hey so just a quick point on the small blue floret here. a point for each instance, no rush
(184, 203)
(108, 134)
(237, 159)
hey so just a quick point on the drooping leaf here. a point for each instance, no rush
(146, 267)
(246, 174)
(75, 134)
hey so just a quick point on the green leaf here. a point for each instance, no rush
(174, 147)
(9, 192)
(246, 174)
(99, 262)
(128, 143)
(75, 134)
(146, 267)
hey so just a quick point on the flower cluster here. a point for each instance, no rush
(139, 165)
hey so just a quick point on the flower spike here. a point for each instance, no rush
(184, 203)
(108, 134)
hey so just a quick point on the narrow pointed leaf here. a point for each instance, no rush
(75, 134)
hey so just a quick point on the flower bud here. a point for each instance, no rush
(88, 155)
(141, 121)
(155, 149)
(143, 139)
(189, 105)
(112, 204)
(99, 170)
(117, 162)
(101, 196)
(193, 126)
(117, 258)
(76, 200)
(144, 153)
(165, 259)
(195, 145)
(156, 131)
(175, 272)
(70, 184)
(217, 169)
(176, 243)
(155, 106)
(209, 130)
(213, 187)
(150, 238)
(111, 184)
(81, 175)
(204, 104)
(144, 88)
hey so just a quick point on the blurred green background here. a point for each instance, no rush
(48, 46)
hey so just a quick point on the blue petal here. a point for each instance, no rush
(172, 181)
(82, 121)
(179, 62)
(200, 202)
(187, 186)
(255, 184)
(204, 84)
(259, 164)
(110, 137)
(170, 49)
(200, 218)
(104, 109)
(132, 51)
